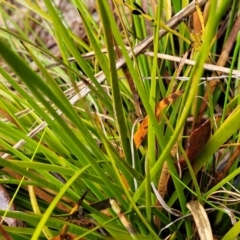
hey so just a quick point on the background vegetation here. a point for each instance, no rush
(74, 93)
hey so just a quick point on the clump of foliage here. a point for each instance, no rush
(133, 118)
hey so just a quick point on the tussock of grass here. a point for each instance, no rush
(68, 119)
